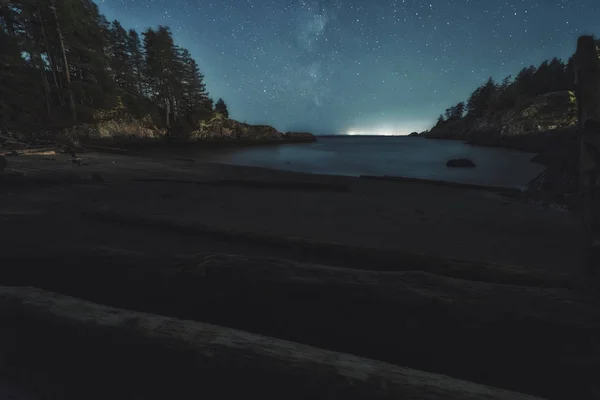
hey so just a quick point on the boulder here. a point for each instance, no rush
(460, 163)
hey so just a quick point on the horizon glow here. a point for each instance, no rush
(376, 133)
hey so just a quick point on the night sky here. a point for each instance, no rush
(368, 66)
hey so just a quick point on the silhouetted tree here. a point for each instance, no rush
(550, 76)
(481, 99)
(458, 111)
(455, 112)
(136, 60)
(121, 64)
(221, 108)
(504, 96)
(194, 95)
(440, 120)
(61, 61)
(525, 81)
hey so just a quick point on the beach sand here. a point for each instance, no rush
(459, 223)
(519, 263)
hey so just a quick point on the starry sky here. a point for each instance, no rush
(359, 66)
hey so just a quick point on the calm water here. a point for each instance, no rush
(397, 156)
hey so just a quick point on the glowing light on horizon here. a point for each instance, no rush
(377, 133)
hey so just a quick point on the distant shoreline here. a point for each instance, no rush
(358, 136)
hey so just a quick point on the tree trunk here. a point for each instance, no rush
(72, 349)
(5, 16)
(49, 54)
(66, 66)
(37, 57)
(587, 83)
(46, 84)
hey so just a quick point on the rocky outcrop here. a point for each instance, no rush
(300, 136)
(222, 128)
(544, 113)
(529, 125)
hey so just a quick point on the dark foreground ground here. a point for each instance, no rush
(254, 244)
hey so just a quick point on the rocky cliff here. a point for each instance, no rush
(529, 125)
(220, 127)
(300, 137)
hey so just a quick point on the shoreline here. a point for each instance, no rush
(535, 142)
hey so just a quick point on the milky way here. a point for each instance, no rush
(333, 66)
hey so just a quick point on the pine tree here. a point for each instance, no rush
(136, 60)
(194, 95)
(19, 78)
(525, 81)
(458, 111)
(448, 113)
(209, 104)
(61, 58)
(221, 108)
(556, 76)
(505, 95)
(481, 99)
(65, 65)
(162, 68)
(120, 60)
(569, 74)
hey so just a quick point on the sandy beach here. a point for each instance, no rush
(472, 225)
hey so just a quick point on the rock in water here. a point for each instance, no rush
(3, 163)
(460, 163)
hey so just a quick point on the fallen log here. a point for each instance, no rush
(8, 139)
(36, 151)
(500, 333)
(105, 148)
(62, 347)
(352, 256)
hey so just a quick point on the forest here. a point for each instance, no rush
(550, 76)
(62, 64)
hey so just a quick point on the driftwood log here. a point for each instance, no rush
(105, 149)
(541, 341)
(36, 151)
(62, 347)
(350, 255)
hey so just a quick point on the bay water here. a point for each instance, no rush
(412, 157)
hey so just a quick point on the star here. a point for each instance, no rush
(329, 66)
